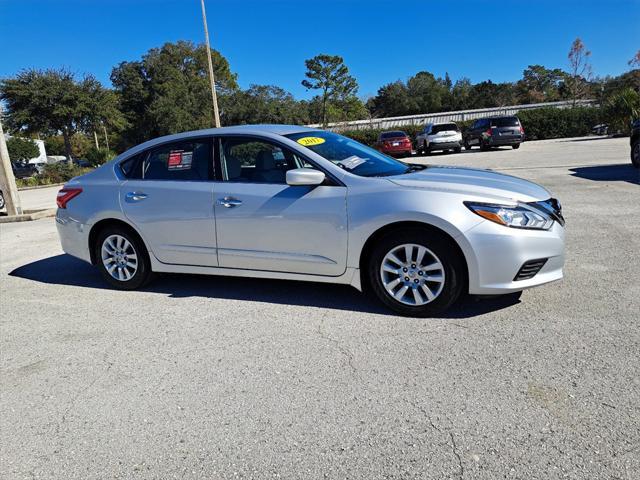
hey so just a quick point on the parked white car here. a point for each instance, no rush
(445, 137)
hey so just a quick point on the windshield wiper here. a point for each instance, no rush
(414, 167)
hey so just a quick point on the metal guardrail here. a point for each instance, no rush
(457, 116)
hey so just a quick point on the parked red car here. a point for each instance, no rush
(395, 143)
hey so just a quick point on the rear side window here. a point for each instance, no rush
(505, 122)
(132, 166)
(187, 160)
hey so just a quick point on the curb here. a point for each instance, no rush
(36, 187)
(29, 215)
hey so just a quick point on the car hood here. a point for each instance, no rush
(473, 182)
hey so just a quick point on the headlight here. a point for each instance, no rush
(518, 216)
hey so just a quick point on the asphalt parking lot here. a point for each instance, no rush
(204, 377)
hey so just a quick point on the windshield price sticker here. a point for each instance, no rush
(310, 141)
(351, 162)
(179, 160)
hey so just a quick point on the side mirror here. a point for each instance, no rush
(304, 176)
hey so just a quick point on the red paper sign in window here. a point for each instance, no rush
(175, 159)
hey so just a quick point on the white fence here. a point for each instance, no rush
(458, 116)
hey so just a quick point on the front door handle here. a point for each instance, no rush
(135, 196)
(229, 202)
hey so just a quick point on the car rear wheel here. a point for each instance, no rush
(122, 258)
(415, 272)
(516, 146)
(458, 149)
(635, 154)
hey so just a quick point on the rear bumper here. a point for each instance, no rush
(499, 252)
(444, 146)
(397, 151)
(74, 236)
(497, 141)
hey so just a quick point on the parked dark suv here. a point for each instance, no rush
(635, 144)
(494, 132)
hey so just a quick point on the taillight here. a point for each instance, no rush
(488, 133)
(65, 195)
(521, 130)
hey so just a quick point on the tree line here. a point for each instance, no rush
(166, 91)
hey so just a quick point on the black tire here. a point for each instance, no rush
(457, 149)
(143, 273)
(635, 154)
(516, 146)
(440, 245)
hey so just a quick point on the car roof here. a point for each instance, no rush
(238, 129)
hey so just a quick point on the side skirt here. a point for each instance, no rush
(351, 276)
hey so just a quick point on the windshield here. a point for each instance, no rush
(505, 122)
(445, 127)
(385, 135)
(349, 155)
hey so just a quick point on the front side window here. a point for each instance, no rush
(254, 160)
(187, 160)
(348, 154)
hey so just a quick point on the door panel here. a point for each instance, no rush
(175, 218)
(284, 228)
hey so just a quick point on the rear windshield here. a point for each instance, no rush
(445, 127)
(385, 135)
(505, 122)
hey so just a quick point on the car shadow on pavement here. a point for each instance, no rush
(624, 172)
(66, 270)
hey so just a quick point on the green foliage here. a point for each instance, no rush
(98, 156)
(549, 122)
(54, 145)
(52, 102)
(330, 75)
(168, 91)
(53, 173)
(22, 149)
(621, 109)
(265, 104)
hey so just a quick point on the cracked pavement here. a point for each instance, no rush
(213, 378)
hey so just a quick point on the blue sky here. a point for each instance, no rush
(267, 41)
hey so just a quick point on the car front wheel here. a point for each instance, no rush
(122, 258)
(416, 272)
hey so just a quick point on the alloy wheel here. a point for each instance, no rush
(119, 257)
(412, 274)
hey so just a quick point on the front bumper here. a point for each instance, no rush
(74, 235)
(497, 253)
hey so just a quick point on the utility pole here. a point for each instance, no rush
(216, 115)
(106, 137)
(7, 180)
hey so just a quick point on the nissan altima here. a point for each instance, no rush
(289, 202)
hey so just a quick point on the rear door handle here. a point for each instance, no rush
(135, 196)
(229, 202)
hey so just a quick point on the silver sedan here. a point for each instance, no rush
(288, 202)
